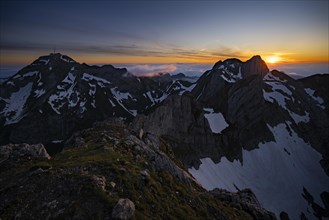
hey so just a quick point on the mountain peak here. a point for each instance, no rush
(255, 66)
(256, 57)
(53, 57)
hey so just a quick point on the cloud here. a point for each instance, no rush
(189, 69)
(131, 50)
(151, 69)
(303, 70)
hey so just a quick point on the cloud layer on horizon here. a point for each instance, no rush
(189, 69)
(194, 69)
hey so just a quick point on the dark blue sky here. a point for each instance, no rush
(164, 31)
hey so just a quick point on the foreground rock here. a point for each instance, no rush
(246, 200)
(123, 210)
(13, 154)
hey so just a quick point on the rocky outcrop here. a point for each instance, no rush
(123, 210)
(246, 200)
(13, 154)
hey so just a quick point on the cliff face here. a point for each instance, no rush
(181, 122)
(254, 66)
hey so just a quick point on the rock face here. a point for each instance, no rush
(181, 122)
(245, 198)
(55, 96)
(213, 86)
(123, 210)
(252, 98)
(254, 66)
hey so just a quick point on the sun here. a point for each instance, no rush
(273, 59)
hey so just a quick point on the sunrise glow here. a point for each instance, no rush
(142, 36)
(272, 59)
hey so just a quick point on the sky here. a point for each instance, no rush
(165, 32)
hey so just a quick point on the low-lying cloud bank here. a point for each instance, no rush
(195, 69)
(297, 71)
(189, 69)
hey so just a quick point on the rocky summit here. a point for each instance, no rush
(86, 142)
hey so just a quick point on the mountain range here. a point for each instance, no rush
(238, 126)
(47, 100)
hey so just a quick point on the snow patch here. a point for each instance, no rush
(92, 90)
(231, 77)
(120, 95)
(39, 92)
(186, 88)
(83, 107)
(281, 94)
(15, 104)
(133, 112)
(270, 77)
(29, 74)
(66, 59)
(66, 94)
(319, 101)
(100, 81)
(57, 141)
(93, 103)
(45, 62)
(216, 120)
(70, 78)
(10, 83)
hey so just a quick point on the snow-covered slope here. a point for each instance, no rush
(276, 172)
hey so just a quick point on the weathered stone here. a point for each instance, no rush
(145, 175)
(245, 199)
(112, 184)
(99, 181)
(124, 209)
(14, 152)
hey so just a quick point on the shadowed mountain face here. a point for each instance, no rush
(54, 96)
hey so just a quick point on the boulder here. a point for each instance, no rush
(12, 154)
(124, 209)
